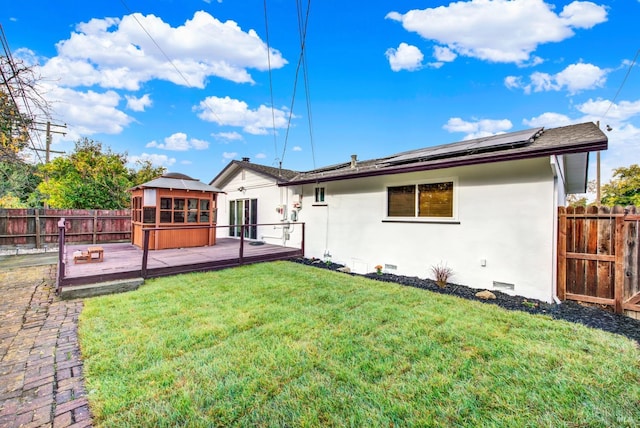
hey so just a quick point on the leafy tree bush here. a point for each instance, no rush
(624, 188)
(92, 177)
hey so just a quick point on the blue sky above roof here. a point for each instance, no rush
(187, 84)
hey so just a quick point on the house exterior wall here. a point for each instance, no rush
(505, 216)
(270, 197)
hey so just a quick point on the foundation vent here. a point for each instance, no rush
(503, 285)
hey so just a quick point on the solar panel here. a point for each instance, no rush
(470, 146)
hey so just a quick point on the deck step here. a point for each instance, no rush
(100, 288)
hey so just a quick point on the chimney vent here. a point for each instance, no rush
(354, 161)
(245, 159)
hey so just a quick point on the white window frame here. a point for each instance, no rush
(415, 218)
(324, 195)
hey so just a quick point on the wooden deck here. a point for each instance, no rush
(124, 261)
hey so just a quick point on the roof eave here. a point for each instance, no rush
(456, 162)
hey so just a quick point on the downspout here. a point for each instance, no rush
(554, 252)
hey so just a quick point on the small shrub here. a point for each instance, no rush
(441, 274)
(378, 269)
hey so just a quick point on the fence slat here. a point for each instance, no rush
(598, 256)
(34, 228)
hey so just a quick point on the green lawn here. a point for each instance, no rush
(282, 344)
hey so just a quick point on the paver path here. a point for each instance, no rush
(41, 383)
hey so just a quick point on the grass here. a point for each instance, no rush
(282, 344)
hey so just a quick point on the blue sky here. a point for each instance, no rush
(189, 83)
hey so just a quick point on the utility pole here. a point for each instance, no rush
(48, 131)
(598, 174)
(47, 149)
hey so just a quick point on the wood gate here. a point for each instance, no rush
(598, 257)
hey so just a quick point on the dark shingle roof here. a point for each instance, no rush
(278, 174)
(174, 180)
(532, 143)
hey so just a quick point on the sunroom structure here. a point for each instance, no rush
(179, 211)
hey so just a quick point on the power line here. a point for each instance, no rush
(305, 75)
(303, 34)
(5, 79)
(175, 67)
(622, 84)
(273, 113)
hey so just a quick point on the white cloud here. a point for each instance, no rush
(231, 112)
(156, 160)
(480, 28)
(406, 57)
(624, 149)
(615, 113)
(444, 54)
(89, 112)
(575, 78)
(624, 137)
(138, 104)
(599, 110)
(227, 136)
(179, 142)
(297, 149)
(549, 120)
(261, 156)
(229, 155)
(479, 128)
(118, 53)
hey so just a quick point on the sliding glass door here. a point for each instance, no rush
(243, 212)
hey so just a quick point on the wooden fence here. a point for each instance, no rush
(38, 228)
(598, 257)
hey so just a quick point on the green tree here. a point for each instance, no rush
(624, 188)
(93, 177)
(89, 178)
(145, 171)
(14, 131)
(19, 95)
(20, 180)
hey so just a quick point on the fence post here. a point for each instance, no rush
(561, 286)
(241, 244)
(95, 226)
(61, 263)
(618, 292)
(145, 251)
(37, 227)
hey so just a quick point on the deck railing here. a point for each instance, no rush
(242, 228)
(241, 259)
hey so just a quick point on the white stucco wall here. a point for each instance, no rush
(505, 216)
(270, 196)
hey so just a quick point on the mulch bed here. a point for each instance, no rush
(591, 316)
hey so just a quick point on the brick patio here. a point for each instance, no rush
(41, 381)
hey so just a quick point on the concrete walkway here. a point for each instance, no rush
(41, 381)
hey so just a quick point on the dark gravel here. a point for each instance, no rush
(591, 316)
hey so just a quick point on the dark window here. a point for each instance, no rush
(149, 215)
(319, 194)
(401, 201)
(435, 200)
(204, 211)
(165, 216)
(422, 200)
